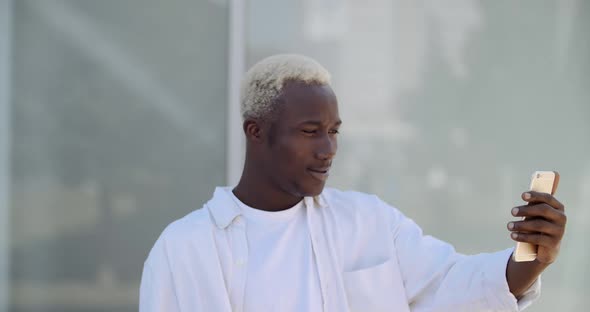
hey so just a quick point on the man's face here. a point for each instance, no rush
(303, 139)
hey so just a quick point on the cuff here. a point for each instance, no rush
(498, 292)
(530, 295)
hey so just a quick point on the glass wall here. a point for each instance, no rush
(114, 123)
(118, 128)
(448, 107)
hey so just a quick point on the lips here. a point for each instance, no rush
(320, 173)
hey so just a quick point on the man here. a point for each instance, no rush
(280, 241)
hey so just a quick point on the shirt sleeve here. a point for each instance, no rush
(437, 278)
(156, 292)
(499, 286)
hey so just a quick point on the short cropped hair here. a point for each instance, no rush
(263, 83)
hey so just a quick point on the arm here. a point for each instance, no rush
(437, 278)
(545, 228)
(156, 292)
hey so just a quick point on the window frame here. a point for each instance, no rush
(6, 15)
(235, 143)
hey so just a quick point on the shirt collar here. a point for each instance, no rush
(315, 201)
(224, 209)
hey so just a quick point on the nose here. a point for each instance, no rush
(326, 149)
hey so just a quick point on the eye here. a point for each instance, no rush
(335, 131)
(309, 131)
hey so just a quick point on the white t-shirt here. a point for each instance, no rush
(282, 272)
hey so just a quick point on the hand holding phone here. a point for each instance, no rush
(542, 182)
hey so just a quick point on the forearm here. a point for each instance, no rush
(521, 275)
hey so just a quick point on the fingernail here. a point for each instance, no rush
(511, 225)
(514, 235)
(514, 211)
(527, 196)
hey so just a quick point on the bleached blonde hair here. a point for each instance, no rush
(263, 83)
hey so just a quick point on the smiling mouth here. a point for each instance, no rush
(320, 173)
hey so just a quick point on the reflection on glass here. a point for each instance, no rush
(448, 107)
(118, 129)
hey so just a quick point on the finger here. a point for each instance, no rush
(537, 197)
(535, 239)
(539, 226)
(541, 210)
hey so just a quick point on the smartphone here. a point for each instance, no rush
(543, 182)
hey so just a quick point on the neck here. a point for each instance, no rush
(257, 191)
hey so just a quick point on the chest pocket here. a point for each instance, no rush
(375, 289)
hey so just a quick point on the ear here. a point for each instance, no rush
(253, 130)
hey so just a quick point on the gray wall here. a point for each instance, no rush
(118, 124)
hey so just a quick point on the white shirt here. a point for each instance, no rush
(370, 257)
(282, 273)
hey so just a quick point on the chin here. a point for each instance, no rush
(305, 187)
(312, 190)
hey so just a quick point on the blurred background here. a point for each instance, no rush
(118, 117)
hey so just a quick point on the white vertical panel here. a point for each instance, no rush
(5, 137)
(236, 58)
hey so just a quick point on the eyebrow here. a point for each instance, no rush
(318, 123)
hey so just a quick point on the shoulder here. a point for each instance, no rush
(359, 204)
(333, 195)
(180, 234)
(188, 225)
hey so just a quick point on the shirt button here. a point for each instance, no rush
(240, 262)
(238, 220)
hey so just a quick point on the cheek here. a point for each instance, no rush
(294, 153)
